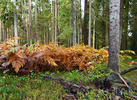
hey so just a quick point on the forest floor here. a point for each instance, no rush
(35, 87)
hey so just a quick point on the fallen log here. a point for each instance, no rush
(72, 87)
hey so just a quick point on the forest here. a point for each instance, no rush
(68, 49)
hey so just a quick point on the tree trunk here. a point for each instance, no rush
(80, 25)
(86, 23)
(47, 35)
(15, 23)
(0, 30)
(106, 35)
(35, 35)
(89, 36)
(30, 22)
(78, 31)
(107, 25)
(126, 25)
(27, 33)
(56, 17)
(5, 32)
(94, 30)
(74, 21)
(53, 21)
(114, 36)
(26, 24)
(121, 21)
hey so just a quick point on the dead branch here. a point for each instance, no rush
(132, 96)
(124, 81)
(5, 64)
(129, 70)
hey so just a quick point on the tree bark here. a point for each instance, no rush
(53, 20)
(121, 21)
(107, 25)
(30, 22)
(56, 17)
(5, 32)
(126, 25)
(114, 36)
(0, 30)
(86, 23)
(89, 36)
(26, 24)
(35, 35)
(80, 25)
(94, 30)
(106, 35)
(74, 21)
(15, 24)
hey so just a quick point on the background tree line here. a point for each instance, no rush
(65, 22)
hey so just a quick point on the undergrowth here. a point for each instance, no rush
(34, 87)
(80, 64)
(13, 87)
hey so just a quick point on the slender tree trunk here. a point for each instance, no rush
(56, 17)
(43, 35)
(35, 35)
(30, 23)
(27, 33)
(58, 29)
(94, 30)
(15, 24)
(26, 24)
(7, 35)
(78, 38)
(0, 30)
(70, 44)
(48, 34)
(126, 25)
(53, 21)
(107, 25)
(121, 21)
(106, 35)
(79, 24)
(5, 32)
(114, 36)
(103, 24)
(89, 36)
(74, 21)
(86, 23)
